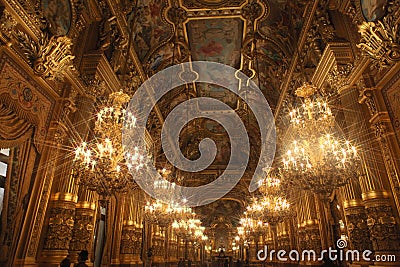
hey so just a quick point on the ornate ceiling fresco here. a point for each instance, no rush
(257, 37)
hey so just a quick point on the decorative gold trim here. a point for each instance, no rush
(86, 205)
(64, 197)
(310, 222)
(375, 195)
(353, 203)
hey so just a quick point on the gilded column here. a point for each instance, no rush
(173, 247)
(62, 201)
(158, 244)
(301, 218)
(356, 217)
(61, 216)
(83, 230)
(312, 228)
(114, 228)
(384, 133)
(131, 238)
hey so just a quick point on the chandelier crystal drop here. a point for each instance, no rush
(102, 165)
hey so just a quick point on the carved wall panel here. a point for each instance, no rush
(25, 97)
(391, 95)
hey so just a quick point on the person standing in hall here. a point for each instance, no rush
(82, 258)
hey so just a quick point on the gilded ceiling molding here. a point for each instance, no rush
(32, 24)
(7, 27)
(201, 4)
(334, 63)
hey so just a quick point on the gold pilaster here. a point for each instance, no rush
(379, 214)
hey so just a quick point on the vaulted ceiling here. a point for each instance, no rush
(277, 43)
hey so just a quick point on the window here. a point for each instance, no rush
(4, 159)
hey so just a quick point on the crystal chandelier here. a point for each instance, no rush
(158, 212)
(272, 206)
(313, 116)
(251, 226)
(271, 183)
(318, 160)
(189, 228)
(102, 165)
(271, 209)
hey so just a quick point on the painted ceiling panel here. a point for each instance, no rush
(151, 29)
(218, 40)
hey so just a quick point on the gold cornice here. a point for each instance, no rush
(325, 65)
(94, 9)
(73, 78)
(106, 72)
(334, 53)
(359, 67)
(371, 195)
(211, 8)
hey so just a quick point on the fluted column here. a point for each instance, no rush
(356, 217)
(131, 237)
(60, 225)
(312, 228)
(173, 247)
(380, 216)
(83, 230)
(157, 244)
(61, 214)
(301, 218)
(114, 231)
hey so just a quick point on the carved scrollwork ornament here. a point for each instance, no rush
(7, 26)
(252, 11)
(82, 232)
(366, 96)
(356, 220)
(60, 228)
(383, 228)
(176, 15)
(94, 85)
(49, 57)
(337, 78)
(380, 40)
